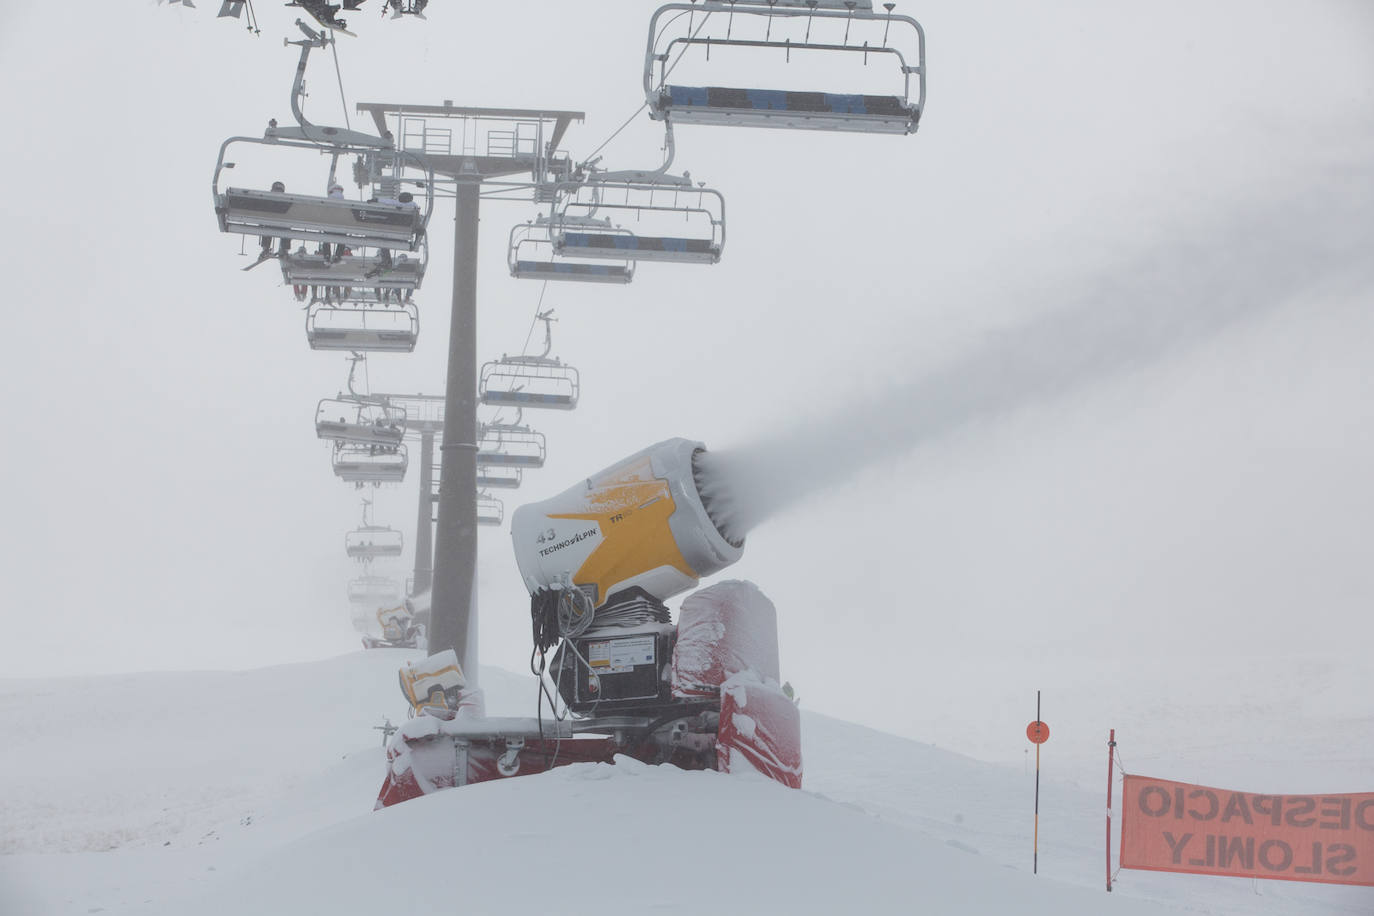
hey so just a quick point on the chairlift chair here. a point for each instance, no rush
(373, 590)
(490, 510)
(356, 271)
(529, 381)
(313, 218)
(357, 325)
(530, 257)
(360, 421)
(510, 445)
(369, 542)
(675, 221)
(316, 218)
(357, 463)
(788, 33)
(498, 478)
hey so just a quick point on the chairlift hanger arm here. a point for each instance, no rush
(332, 136)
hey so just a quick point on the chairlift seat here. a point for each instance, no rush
(364, 433)
(364, 271)
(783, 108)
(490, 510)
(529, 381)
(373, 541)
(529, 399)
(586, 273)
(493, 478)
(365, 589)
(510, 460)
(637, 247)
(354, 325)
(355, 465)
(325, 219)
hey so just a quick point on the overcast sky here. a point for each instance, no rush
(1200, 171)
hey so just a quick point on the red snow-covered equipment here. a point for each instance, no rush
(599, 560)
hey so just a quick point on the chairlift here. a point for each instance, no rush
(357, 325)
(373, 590)
(360, 421)
(799, 35)
(368, 542)
(490, 510)
(357, 463)
(360, 271)
(384, 222)
(528, 380)
(298, 217)
(510, 445)
(530, 257)
(498, 478)
(674, 221)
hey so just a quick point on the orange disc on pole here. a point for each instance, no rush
(1038, 732)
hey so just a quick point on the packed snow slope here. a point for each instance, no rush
(250, 792)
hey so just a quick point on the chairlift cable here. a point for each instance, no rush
(343, 100)
(705, 19)
(525, 349)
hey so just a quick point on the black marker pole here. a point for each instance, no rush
(1035, 862)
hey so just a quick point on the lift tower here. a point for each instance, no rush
(469, 146)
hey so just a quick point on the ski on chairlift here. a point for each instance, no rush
(810, 64)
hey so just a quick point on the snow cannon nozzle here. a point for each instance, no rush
(648, 526)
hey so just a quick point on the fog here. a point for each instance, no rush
(1070, 390)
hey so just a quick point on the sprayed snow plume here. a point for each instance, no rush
(1178, 293)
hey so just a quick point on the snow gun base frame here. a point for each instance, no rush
(717, 706)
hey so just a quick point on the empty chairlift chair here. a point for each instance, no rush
(361, 326)
(370, 542)
(508, 445)
(490, 510)
(802, 42)
(359, 421)
(529, 381)
(356, 463)
(498, 478)
(372, 591)
(673, 221)
(530, 257)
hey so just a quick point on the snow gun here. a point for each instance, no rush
(599, 560)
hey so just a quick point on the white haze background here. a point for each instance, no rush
(1070, 391)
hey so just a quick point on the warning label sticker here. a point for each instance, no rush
(617, 656)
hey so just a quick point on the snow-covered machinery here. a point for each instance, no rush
(599, 560)
(400, 630)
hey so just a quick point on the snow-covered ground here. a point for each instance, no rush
(251, 792)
